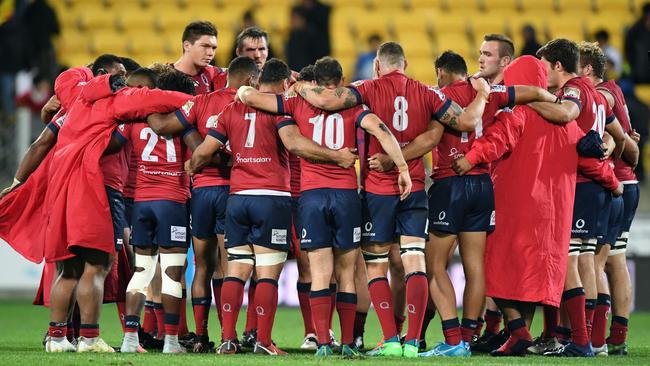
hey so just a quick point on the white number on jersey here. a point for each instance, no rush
(478, 132)
(148, 134)
(333, 130)
(250, 137)
(400, 117)
(599, 121)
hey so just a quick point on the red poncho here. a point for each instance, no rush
(77, 211)
(534, 188)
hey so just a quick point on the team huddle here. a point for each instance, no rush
(255, 164)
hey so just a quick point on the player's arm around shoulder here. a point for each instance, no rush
(253, 98)
(329, 99)
(299, 145)
(465, 120)
(202, 154)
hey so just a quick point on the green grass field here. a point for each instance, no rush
(24, 326)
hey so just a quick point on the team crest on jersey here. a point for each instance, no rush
(441, 95)
(187, 107)
(498, 89)
(204, 79)
(571, 93)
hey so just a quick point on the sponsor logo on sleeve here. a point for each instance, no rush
(440, 94)
(498, 89)
(278, 236)
(570, 92)
(358, 83)
(178, 233)
(187, 107)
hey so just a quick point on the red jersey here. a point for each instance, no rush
(115, 167)
(160, 162)
(334, 130)
(454, 144)
(261, 162)
(594, 110)
(407, 107)
(202, 113)
(211, 78)
(129, 185)
(624, 171)
(294, 169)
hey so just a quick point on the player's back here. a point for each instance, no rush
(407, 107)
(592, 114)
(260, 160)
(160, 162)
(454, 144)
(334, 130)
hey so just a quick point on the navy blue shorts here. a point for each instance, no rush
(630, 203)
(590, 200)
(385, 217)
(614, 223)
(208, 207)
(163, 223)
(330, 218)
(259, 220)
(128, 211)
(462, 204)
(116, 204)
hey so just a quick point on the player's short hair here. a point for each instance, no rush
(176, 81)
(328, 71)
(452, 63)
(506, 46)
(196, 30)
(307, 74)
(591, 54)
(253, 33)
(391, 53)
(562, 50)
(146, 73)
(130, 64)
(274, 71)
(160, 68)
(242, 66)
(103, 62)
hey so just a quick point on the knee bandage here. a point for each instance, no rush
(370, 257)
(621, 244)
(141, 279)
(574, 246)
(270, 259)
(242, 254)
(412, 248)
(171, 286)
(588, 246)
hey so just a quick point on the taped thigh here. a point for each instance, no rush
(241, 254)
(574, 246)
(412, 248)
(270, 259)
(588, 246)
(620, 247)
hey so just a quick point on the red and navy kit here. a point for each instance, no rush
(259, 208)
(160, 214)
(211, 78)
(407, 107)
(210, 186)
(329, 205)
(454, 144)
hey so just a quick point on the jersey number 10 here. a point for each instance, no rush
(333, 130)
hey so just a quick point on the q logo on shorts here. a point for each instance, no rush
(580, 223)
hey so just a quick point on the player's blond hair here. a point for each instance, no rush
(592, 54)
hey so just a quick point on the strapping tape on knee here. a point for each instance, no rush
(142, 278)
(369, 257)
(413, 248)
(244, 256)
(620, 246)
(270, 259)
(588, 246)
(171, 286)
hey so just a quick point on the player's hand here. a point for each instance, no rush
(461, 166)
(635, 136)
(347, 157)
(480, 85)
(188, 168)
(381, 162)
(404, 183)
(52, 105)
(619, 190)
